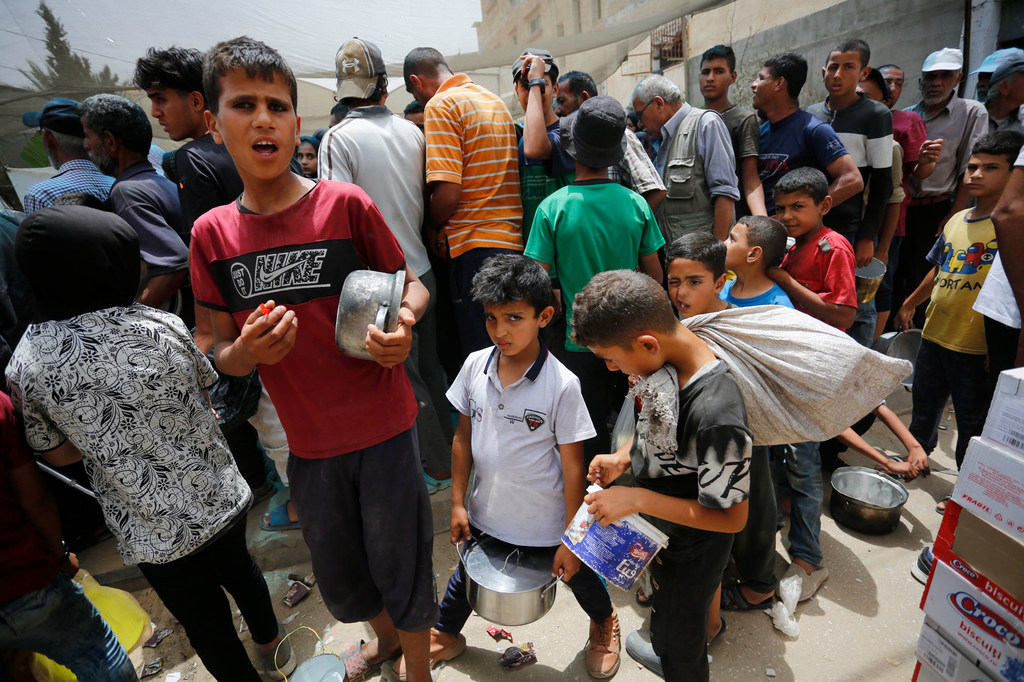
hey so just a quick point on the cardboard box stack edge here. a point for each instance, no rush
(974, 600)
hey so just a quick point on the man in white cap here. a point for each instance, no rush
(959, 123)
(1006, 95)
(384, 154)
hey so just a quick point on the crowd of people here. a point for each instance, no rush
(551, 268)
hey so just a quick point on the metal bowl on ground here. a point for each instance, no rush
(367, 297)
(506, 584)
(866, 500)
(902, 345)
(869, 278)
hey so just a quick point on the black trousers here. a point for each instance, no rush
(685, 576)
(1002, 343)
(753, 548)
(192, 589)
(922, 224)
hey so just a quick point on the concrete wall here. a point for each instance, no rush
(903, 33)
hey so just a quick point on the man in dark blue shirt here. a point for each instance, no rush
(791, 138)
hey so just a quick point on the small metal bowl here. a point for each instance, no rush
(367, 297)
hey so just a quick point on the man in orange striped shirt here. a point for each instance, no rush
(472, 178)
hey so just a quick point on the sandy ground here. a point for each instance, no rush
(862, 625)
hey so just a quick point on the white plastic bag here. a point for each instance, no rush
(625, 425)
(800, 378)
(784, 611)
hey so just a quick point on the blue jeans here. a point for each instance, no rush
(939, 373)
(800, 477)
(59, 622)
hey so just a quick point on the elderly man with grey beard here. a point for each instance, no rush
(117, 137)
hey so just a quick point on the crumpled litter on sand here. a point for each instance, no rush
(518, 656)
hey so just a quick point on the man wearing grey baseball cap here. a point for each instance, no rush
(61, 128)
(384, 154)
(1006, 95)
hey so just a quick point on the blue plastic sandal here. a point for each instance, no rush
(277, 519)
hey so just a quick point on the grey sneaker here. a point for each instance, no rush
(285, 661)
(639, 648)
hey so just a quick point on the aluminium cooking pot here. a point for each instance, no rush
(866, 500)
(506, 584)
(367, 297)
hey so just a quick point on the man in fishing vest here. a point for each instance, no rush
(695, 159)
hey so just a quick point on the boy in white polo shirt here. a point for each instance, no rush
(522, 425)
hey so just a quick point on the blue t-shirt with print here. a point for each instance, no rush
(774, 296)
(797, 141)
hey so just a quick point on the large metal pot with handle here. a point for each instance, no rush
(506, 584)
(866, 500)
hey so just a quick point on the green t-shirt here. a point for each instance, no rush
(590, 227)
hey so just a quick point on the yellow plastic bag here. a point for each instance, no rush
(122, 612)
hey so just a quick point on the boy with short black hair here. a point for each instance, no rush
(755, 243)
(354, 467)
(591, 226)
(690, 459)
(717, 73)
(951, 359)
(521, 427)
(817, 274)
(696, 273)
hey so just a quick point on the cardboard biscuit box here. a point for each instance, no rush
(944, 660)
(1005, 422)
(984, 554)
(975, 623)
(991, 485)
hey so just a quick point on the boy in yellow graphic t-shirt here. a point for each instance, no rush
(951, 360)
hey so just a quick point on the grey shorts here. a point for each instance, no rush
(366, 518)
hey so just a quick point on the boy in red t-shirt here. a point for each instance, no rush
(817, 272)
(277, 256)
(818, 276)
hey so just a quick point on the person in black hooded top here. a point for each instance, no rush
(121, 386)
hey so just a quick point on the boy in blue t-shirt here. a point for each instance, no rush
(521, 427)
(754, 244)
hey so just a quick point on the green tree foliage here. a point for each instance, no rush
(65, 73)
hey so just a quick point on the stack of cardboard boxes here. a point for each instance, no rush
(974, 600)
